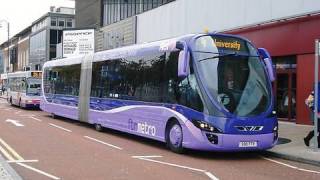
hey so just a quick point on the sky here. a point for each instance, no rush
(21, 13)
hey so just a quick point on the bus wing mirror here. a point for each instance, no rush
(268, 62)
(183, 60)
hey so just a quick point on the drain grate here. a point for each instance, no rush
(283, 141)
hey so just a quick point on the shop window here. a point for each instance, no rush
(284, 62)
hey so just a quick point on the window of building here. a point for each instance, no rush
(130, 12)
(69, 23)
(55, 38)
(116, 10)
(137, 7)
(37, 67)
(61, 22)
(156, 3)
(123, 9)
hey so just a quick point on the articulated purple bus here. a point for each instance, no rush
(200, 91)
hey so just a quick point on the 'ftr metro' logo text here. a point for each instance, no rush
(143, 128)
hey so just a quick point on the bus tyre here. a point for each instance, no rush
(98, 127)
(54, 116)
(10, 101)
(174, 137)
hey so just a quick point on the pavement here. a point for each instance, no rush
(7, 172)
(290, 147)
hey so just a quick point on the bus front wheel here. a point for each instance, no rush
(174, 137)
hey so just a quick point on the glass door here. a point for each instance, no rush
(286, 94)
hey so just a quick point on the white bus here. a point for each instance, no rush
(24, 88)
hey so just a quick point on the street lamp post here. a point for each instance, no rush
(8, 28)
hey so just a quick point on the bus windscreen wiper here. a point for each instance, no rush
(223, 55)
(218, 56)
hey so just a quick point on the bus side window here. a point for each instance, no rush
(182, 91)
(171, 91)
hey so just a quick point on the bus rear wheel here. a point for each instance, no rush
(10, 101)
(174, 137)
(54, 116)
(98, 127)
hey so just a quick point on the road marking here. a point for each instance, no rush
(17, 112)
(26, 115)
(14, 122)
(60, 127)
(8, 109)
(35, 119)
(111, 145)
(145, 158)
(38, 171)
(290, 166)
(22, 161)
(6, 154)
(211, 176)
(13, 152)
(154, 156)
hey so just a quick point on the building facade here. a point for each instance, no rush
(286, 28)
(36, 44)
(291, 42)
(46, 33)
(18, 52)
(115, 21)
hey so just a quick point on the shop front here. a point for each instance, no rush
(291, 43)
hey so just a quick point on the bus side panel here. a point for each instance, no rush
(60, 110)
(142, 120)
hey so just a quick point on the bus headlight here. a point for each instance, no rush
(205, 126)
(28, 101)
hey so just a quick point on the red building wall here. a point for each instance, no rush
(291, 37)
(305, 80)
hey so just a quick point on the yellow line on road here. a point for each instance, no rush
(13, 152)
(6, 154)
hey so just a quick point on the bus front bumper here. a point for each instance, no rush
(32, 103)
(194, 138)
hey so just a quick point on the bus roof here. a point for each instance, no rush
(165, 45)
(25, 74)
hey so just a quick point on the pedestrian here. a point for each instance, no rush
(310, 103)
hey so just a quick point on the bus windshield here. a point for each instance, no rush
(33, 86)
(233, 74)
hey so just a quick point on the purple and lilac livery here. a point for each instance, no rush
(235, 112)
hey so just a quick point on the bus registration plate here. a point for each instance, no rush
(248, 144)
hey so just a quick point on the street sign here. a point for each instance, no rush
(77, 42)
